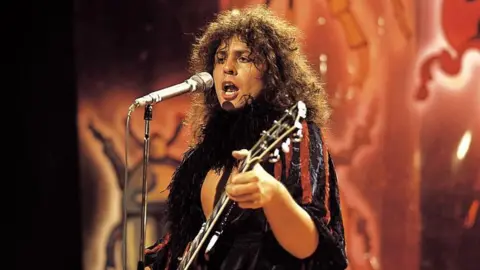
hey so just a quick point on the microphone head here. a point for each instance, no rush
(204, 80)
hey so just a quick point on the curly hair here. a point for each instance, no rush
(288, 77)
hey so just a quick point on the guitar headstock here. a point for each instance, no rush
(284, 130)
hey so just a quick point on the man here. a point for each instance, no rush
(287, 215)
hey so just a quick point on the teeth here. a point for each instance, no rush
(229, 87)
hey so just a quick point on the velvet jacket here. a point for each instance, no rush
(307, 171)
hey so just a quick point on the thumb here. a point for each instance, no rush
(240, 154)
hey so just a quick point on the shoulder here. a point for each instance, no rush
(312, 146)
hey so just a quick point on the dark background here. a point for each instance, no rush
(51, 145)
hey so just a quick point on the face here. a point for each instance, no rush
(235, 74)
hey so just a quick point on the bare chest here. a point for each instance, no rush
(209, 189)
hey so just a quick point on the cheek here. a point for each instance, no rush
(255, 81)
(256, 86)
(216, 74)
(217, 78)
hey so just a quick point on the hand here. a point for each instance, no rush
(253, 189)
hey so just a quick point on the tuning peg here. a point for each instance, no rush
(286, 146)
(263, 146)
(297, 136)
(274, 157)
(266, 134)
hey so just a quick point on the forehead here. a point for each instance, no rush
(233, 43)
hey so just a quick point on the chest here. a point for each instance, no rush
(212, 187)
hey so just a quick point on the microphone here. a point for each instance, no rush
(200, 81)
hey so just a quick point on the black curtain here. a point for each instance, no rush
(47, 201)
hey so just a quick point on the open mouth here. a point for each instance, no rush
(230, 91)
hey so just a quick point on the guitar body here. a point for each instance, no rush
(267, 147)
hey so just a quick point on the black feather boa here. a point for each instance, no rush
(223, 132)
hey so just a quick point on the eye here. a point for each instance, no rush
(220, 59)
(244, 59)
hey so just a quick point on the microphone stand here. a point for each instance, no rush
(146, 147)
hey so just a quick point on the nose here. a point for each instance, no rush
(229, 67)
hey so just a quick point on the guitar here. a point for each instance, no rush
(265, 147)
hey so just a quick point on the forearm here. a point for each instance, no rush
(292, 226)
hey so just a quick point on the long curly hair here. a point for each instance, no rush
(274, 42)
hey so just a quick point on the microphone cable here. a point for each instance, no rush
(124, 197)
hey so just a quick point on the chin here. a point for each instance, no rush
(229, 105)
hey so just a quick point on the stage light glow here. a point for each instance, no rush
(464, 145)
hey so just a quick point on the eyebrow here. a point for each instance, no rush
(235, 51)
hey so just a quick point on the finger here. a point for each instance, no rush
(242, 189)
(252, 197)
(245, 178)
(240, 154)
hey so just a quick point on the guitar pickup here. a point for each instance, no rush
(212, 242)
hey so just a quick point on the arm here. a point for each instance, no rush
(319, 196)
(303, 209)
(292, 226)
